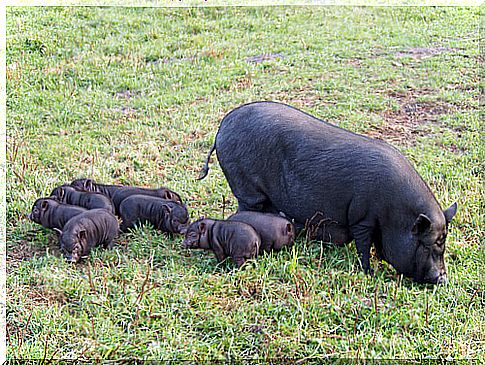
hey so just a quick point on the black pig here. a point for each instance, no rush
(275, 231)
(117, 193)
(225, 238)
(91, 185)
(50, 213)
(279, 159)
(87, 230)
(89, 200)
(165, 215)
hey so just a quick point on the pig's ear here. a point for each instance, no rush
(289, 229)
(82, 234)
(168, 208)
(44, 205)
(202, 228)
(169, 195)
(61, 193)
(421, 225)
(88, 185)
(450, 212)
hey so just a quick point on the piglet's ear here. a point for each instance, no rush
(44, 205)
(169, 195)
(202, 228)
(421, 225)
(168, 208)
(89, 185)
(81, 234)
(450, 212)
(61, 193)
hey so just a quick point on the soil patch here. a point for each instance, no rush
(302, 97)
(264, 57)
(126, 94)
(42, 295)
(413, 118)
(424, 52)
(25, 250)
(156, 61)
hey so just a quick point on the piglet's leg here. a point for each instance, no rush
(108, 244)
(239, 261)
(219, 254)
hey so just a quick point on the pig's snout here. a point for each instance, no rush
(71, 259)
(439, 278)
(183, 228)
(442, 279)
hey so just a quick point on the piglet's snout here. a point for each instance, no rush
(183, 228)
(442, 279)
(71, 259)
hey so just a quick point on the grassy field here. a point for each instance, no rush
(135, 96)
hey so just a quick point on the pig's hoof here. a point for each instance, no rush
(369, 271)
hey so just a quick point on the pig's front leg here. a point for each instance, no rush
(219, 252)
(108, 244)
(239, 261)
(363, 242)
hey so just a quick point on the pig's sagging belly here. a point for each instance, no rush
(301, 195)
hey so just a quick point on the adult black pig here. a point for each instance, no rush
(275, 231)
(279, 159)
(89, 200)
(117, 193)
(50, 213)
(87, 230)
(165, 215)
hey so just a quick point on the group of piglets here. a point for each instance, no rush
(242, 236)
(85, 214)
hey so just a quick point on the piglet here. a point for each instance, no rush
(118, 193)
(50, 213)
(91, 185)
(89, 200)
(165, 215)
(87, 230)
(225, 238)
(275, 231)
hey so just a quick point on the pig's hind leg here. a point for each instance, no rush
(108, 244)
(128, 218)
(252, 200)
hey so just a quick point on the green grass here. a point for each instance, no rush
(135, 96)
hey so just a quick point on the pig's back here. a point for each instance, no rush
(304, 165)
(100, 224)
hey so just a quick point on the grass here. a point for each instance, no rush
(135, 96)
